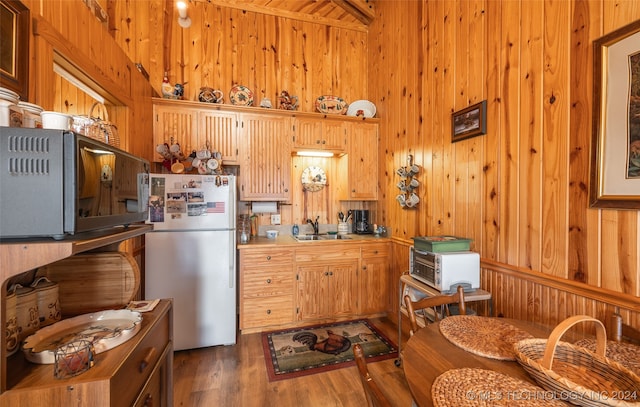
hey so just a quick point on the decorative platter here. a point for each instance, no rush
(105, 329)
(362, 108)
(331, 105)
(241, 96)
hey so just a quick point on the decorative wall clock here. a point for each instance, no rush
(313, 179)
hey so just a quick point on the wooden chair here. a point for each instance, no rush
(432, 303)
(619, 332)
(375, 397)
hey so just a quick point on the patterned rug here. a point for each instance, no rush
(313, 349)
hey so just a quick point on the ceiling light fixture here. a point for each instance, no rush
(183, 19)
(307, 153)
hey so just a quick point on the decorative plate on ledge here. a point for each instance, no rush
(104, 329)
(241, 96)
(331, 105)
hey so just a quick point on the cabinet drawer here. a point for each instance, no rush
(262, 258)
(134, 371)
(375, 250)
(267, 283)
(329, 253)
(259, 312)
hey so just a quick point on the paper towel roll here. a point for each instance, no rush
(264, 207)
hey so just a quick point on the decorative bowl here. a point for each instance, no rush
(362, 108)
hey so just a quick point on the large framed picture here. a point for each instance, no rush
(469, 122)
(14, 47)
(615, 144)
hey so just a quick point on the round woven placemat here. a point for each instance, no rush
(483, 336)
(626, 354)
(481, 387)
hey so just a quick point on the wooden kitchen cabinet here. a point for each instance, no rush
(172, 122)
(319, 134)
(327, 283)
(326, 290)
(265, 158)
(266, 288)
(374, 279)
(360, 163)
(219, 130)
(195, 126)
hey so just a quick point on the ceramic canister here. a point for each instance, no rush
(26, 311)
(12, 323)
(48, 303)
(31, 115)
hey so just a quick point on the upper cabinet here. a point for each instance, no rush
(360, 163)
(195, 127)
(319, 134)
(265, 158)
(262, 141)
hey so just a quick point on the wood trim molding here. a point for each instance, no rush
(626, 301)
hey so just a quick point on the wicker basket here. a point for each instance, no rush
(576, 375)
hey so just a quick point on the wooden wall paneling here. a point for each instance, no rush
(459, 178)
(451, 72)
(620, 263)
(555, 115)
(476, 146)
(581, 264)
(438, 114)
(509, 137)
(530, 151)
(489, 246)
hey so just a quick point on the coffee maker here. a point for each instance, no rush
(361, 224)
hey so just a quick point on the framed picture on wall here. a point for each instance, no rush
(615, 144)
(14, 47)
(469, 122)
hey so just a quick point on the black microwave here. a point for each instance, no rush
(55, 183)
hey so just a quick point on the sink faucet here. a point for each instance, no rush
(314, 225)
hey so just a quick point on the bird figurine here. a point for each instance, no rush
(333, 345)
(166, 87)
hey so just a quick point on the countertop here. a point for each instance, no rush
(289, 240)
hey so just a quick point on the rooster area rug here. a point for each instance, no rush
(303, 351)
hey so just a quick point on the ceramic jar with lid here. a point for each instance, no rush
(12, 323)
(31, 115)
(26, 311)
(9, 116)
(48, 303)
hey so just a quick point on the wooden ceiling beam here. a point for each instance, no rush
(362, 10)
(259, 8)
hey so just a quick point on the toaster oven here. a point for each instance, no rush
(447, 270)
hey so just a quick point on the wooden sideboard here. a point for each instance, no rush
(138, 372)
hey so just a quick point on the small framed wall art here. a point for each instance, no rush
(469, 122)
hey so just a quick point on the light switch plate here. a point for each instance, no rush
(275, 219)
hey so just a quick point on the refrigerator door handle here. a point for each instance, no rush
(232, 265)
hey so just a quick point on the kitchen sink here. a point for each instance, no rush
(309, 238)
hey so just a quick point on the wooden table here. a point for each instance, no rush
(428, 354)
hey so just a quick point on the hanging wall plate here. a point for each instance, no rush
(313, 179)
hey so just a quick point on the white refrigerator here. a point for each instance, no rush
(191, 255)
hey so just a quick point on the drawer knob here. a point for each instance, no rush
(148, 402)
(268, 257)
(147, 359)
(268, 312)
(268, 281)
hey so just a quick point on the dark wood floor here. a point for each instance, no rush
(230, 376)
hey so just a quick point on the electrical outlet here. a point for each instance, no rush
(275, 219)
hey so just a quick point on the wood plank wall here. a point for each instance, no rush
(520, 191)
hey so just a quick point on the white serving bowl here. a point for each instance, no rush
(55, 120)
(272, 234)
(368, 108)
